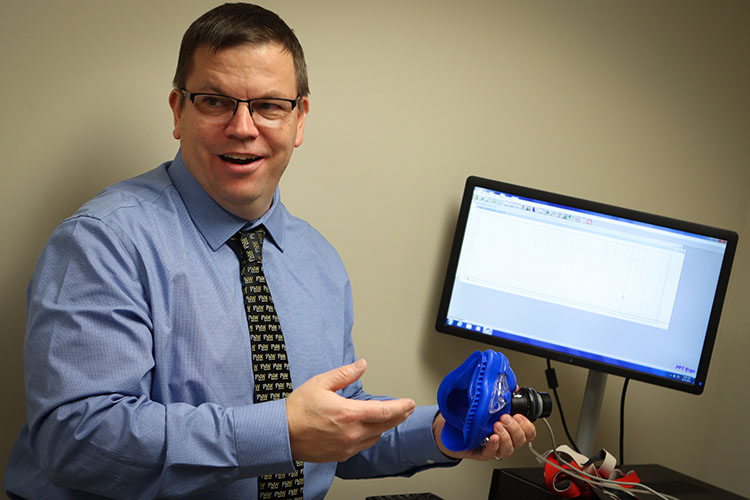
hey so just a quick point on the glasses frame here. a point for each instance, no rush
(193, 95)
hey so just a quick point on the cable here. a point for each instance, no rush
(552, 383)
(622, 419)
(594, 481)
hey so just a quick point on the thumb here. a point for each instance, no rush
(340, 377)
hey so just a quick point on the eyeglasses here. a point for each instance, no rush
(218, 108)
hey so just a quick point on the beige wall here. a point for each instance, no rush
(642, 104)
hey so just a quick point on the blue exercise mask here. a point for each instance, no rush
(473, 397)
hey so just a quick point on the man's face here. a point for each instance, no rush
(217, 154)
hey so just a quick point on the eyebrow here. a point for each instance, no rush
(273, 94)
(211, 88)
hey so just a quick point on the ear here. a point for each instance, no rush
(303, 109)
(176, 102)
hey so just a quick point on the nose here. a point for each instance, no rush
(242, 125)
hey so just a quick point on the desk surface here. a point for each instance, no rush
(530, 483)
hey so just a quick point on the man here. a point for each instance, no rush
(141, 378)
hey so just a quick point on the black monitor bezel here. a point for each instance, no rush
(731, 238)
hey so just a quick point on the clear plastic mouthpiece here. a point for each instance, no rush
(499, 389)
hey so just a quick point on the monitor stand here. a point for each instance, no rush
(590, 411)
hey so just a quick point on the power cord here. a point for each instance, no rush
(622, 420)
(597, 482)
(552, 383)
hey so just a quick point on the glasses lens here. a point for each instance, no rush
(271, 110)
(213, 106)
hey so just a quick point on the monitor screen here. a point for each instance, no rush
(604, 287)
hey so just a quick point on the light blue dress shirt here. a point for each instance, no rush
(137, 354)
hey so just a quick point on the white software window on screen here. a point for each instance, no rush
(606, 275)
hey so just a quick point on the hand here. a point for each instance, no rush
(509, 434)
(324, 427)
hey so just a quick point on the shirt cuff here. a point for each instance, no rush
(417, 431)
(262, 439)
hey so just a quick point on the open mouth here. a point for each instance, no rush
(240, 159)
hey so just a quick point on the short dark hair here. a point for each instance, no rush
(234, 24)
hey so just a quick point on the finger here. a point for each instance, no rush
(505, 446)
(528, 427)
(370, 432)
(490, 449)
(514, 429)
(340, 377)
(389, 412)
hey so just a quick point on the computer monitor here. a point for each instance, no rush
(607, 288)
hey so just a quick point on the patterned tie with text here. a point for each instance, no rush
(270, 366)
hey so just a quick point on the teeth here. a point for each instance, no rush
(241, 159)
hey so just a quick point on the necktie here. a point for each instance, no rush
(269, 361)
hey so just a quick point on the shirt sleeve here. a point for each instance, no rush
(89, 364)
(402, 451)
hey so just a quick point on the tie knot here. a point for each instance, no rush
(248, 245)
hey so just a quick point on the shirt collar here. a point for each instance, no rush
(214, 223)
